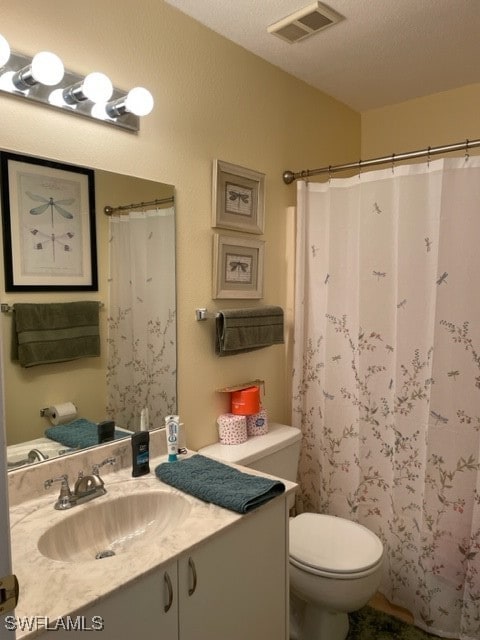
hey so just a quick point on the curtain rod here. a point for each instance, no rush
(290, 176)
(108, 210)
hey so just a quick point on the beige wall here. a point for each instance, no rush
(435, 120)
(213, 100)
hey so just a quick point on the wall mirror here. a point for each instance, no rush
(84, 381)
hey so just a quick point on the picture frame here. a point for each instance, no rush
(48, 222)
(238, 198)
(237, 267)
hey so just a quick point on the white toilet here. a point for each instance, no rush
(335, 564)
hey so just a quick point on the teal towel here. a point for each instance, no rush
(55, 332)
(218, 483)
(241, 330)
(78, 434)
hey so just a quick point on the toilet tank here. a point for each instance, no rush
(276, 452)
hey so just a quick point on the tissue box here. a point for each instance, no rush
(246, 402)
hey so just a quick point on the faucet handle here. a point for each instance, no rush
(64, 489)
(96, 467)
(63, 479)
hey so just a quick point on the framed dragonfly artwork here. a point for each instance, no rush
(238, 198)
(48, 217)
(237, 266)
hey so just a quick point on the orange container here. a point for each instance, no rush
(246, 402)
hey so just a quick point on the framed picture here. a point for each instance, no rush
(48, 217)
(237, 267)
(238, 198)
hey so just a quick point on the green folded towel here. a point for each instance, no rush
(78, 434)
(218, 483)
(55, 332)
(240, 330)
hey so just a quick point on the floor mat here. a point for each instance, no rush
(370, 624)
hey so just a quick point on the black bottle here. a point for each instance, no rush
(106, 431)
(140, 453)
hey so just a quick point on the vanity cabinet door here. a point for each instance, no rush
(235, 586)
(146, 609)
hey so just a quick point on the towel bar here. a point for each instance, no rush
(7, 308)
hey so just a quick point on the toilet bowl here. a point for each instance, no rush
(335, 564)
(335, 568)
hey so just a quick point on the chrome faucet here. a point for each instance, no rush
(86, 488)
(91, 486)
(35, 455)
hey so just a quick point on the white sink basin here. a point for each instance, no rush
(117, 525)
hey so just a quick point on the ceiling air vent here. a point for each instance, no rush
(304, 23)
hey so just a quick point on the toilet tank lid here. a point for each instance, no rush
(256, 447)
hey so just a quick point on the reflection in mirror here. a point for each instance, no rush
(119, 385)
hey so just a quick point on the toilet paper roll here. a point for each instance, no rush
(232, 429)
(62, 413)
(257, 425)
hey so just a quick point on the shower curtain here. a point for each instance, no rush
(386, 382)
(141, 369)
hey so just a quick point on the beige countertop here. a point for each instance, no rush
(54, 589)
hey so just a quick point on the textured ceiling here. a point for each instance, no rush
(383, 52)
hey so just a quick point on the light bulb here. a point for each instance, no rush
(97, 87)
(99, 111)
(4, 51)
(6, 81)
(47, 68)
(56, 98)
(139, 101)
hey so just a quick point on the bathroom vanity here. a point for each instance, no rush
(230, 586)
(184, 570)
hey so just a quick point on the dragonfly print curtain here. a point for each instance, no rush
(141, 370)
(386, 381)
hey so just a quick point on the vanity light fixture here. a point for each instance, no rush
(44, 80)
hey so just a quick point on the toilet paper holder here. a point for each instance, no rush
(49, 412)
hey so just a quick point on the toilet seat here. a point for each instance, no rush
(333, 547)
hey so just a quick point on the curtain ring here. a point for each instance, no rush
(467, 155)
(329, 173)
(428, 157)
(359, 169)
(393, 163)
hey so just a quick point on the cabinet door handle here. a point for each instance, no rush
(193, 571)
(168, 584)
